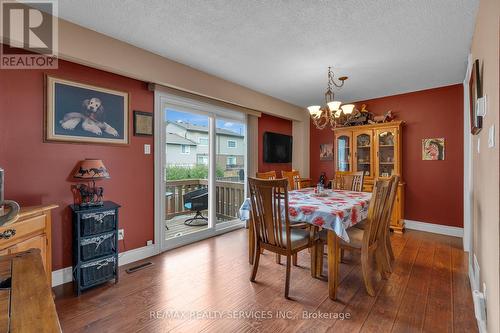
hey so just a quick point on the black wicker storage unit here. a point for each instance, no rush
(95, 245)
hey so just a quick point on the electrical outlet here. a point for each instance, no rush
(121, 234)
(149, 242)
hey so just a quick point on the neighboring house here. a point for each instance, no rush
(230, 146)
(184, 150)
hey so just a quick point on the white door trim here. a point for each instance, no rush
(213, 113)
(467, 194)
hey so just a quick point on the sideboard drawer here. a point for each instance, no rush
(13, 233)
(37, 242)
(97, 222)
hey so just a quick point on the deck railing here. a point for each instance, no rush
(228, 196)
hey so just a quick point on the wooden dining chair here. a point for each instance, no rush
(295, 182)
(369, 242)
(389, 253)
(266, 175)
(349, 181)
(387, 219)
(272, 228)
(272, 175)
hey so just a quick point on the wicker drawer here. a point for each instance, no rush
(96, 223)
(97, 271)
(97, 246)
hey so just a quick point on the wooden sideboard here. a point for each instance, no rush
(26, 302)
(376, 150)
(32, 230)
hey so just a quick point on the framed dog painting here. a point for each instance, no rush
(77, 112)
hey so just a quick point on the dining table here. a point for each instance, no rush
(332, 210)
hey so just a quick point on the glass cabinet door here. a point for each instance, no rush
(363, 153)
(386, 153)
(343, 153)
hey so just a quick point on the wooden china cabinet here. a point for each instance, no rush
(376, 150)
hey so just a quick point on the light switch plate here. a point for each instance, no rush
(147, 149)
(491, 136)
(481, 106)
(478, 145)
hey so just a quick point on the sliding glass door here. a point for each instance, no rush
(202, 170)
(230, 154)
(187, 167)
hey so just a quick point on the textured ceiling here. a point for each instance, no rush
(283, 47)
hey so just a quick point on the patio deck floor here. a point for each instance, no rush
(177, 228)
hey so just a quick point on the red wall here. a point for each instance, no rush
(434, 189)
(269, 123)
(37, 172)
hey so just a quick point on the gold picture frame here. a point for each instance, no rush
(143, 123)
(82, 113)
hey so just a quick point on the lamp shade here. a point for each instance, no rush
(347, 108)
(334, 106)
(314, 110)
(91, 169)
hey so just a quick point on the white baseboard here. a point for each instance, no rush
(434, 228)
(65, 275)
(62, 276)
(136, 254)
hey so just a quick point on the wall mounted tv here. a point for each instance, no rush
(277, 148)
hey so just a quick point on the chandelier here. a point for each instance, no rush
(331, 113)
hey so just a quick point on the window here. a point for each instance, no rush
(231, 160)
(203, 141)
(231, 144)
(202, 159)
(185, 149)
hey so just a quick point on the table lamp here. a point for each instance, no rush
(90, 170)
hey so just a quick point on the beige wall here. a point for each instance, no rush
(485, 164)
(121, 58)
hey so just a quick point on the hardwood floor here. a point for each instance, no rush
(188, 289)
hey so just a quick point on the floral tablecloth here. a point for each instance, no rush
(336, 211)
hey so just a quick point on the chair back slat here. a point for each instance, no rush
(376, 210)
(357, 181)
(266, 175)
(349, 181)
(391, 198)
(269, 201)
(293, 179)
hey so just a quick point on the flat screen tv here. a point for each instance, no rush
(277, 148)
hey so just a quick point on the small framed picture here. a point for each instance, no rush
(433, 149)
(326, 152)
(143, 123)
(475, 92)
